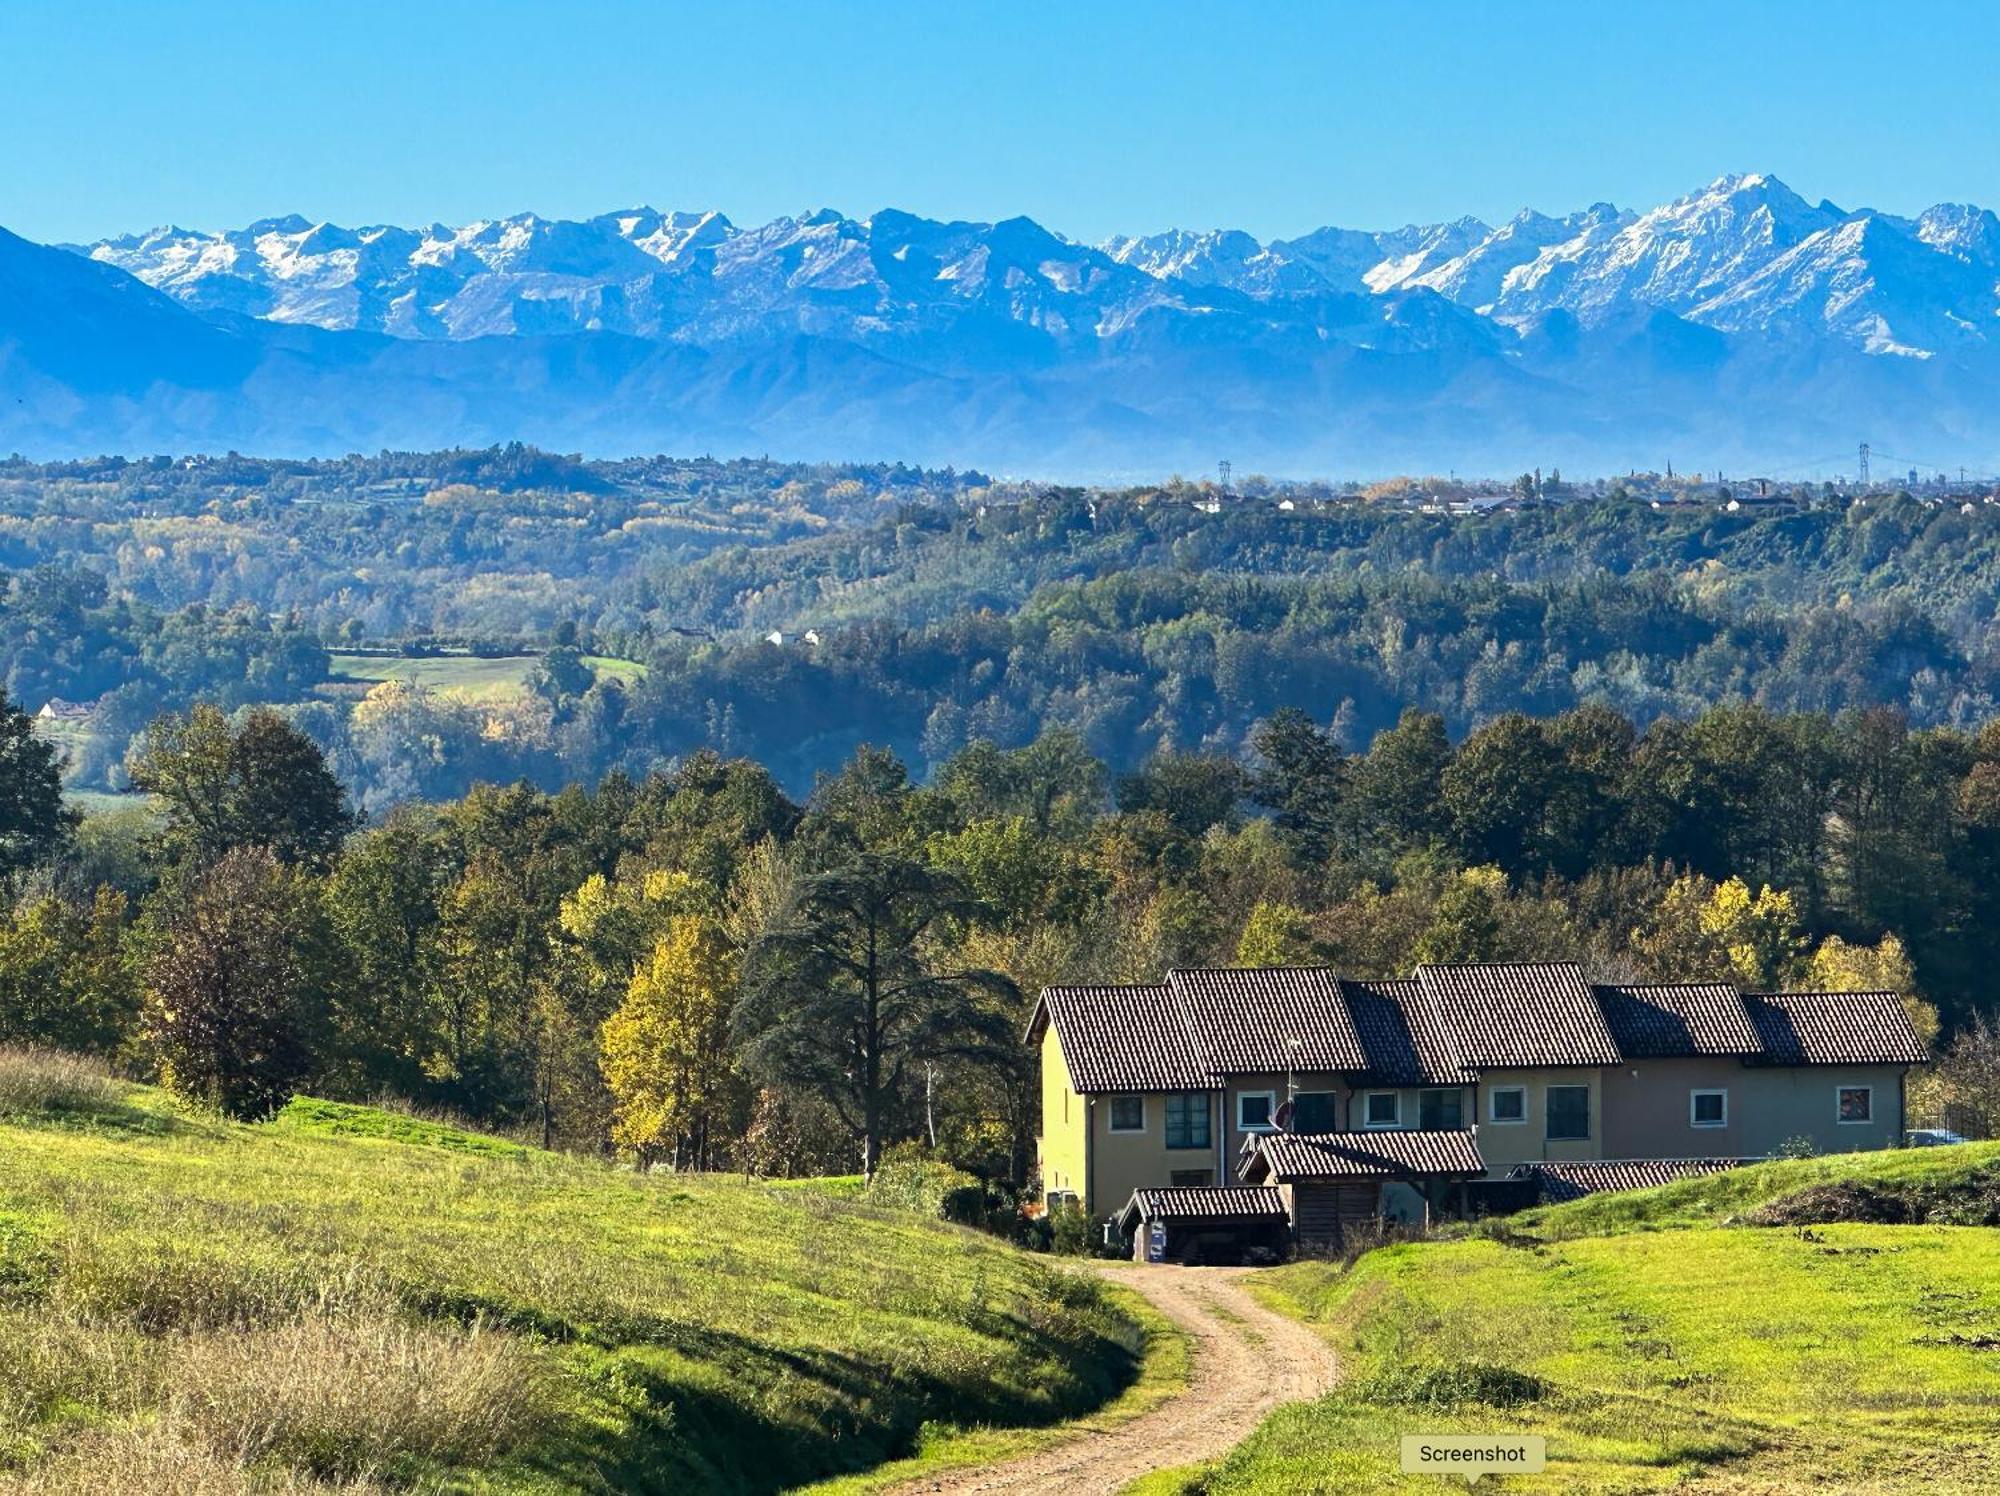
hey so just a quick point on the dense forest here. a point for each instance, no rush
(692, 967)
(790, 613)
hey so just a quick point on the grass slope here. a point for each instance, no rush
(469, 678)
(347, 1296)
(1656, 1348)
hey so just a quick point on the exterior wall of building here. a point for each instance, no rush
(1275, 1086)
(1121, 1162)
(1060, 1146)
(1505, 1144)
(1800, 1101)
(1409, 1106)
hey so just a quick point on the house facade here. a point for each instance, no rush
(1148, 1088)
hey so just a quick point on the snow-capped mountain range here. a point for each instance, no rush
(1738, 324)
(1746, 252)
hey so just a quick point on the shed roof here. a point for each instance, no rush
(1677, 1020)
(1834, 1028)
(1519, 1014)
(1204, 1203)
(1282, 1157)
(1122, 1039)
(1572, 1181)
(1248, 1020)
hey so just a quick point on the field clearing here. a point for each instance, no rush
(470, 678)
(407, 1279)
(1663, 1355)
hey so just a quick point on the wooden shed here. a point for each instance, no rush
(1333, 1182)
(1210, 1225)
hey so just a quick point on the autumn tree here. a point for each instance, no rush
(236, 989)
(1276, 935)
(34, 822)
(665, 1051)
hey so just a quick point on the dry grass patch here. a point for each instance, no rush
(34, 1081)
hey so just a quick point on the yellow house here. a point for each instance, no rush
(1151, 1088)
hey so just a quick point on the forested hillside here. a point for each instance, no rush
(790, 613)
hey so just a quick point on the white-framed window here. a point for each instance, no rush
(1568, 1109)
(1254, 1110)
(1507, 1105)
(1382, 1109)
(1708, 1108)
(1128, 1113)
(1853, 1105)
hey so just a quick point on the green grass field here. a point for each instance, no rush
(484, 682)
(353, 1299)
(1657, 1349)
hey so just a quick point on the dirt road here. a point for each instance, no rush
(1247, 1360)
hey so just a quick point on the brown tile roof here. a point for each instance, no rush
(1833, 1028)
(1206, 1203)
(1245, 1019)
(1401, 1037)
(1505, 1015)
(1364, 1155)
(1572, 1181)
(1122, 1039)
(1677, 1020)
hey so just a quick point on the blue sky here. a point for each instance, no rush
(1093, 118)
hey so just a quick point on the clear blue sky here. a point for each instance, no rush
(1092, 118)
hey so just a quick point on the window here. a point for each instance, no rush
(1708, 1108)
(1382, 1109)
(1187, 1120)
(1316, 1111)
(1253, 1110)
(1507, 1104)
(1569, 1113)
(1128, 1114)
(1440, 1110)
(1182, 1179)
(1855, 1104)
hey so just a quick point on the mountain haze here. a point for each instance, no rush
(1740, 325)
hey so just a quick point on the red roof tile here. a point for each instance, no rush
(1283, 1156)
(1572, 1181)
(1677, 1020)
(1401, 1037)
(1250, 1020)
(1834, 1028)
(1509, 1015)
(1206, 1203)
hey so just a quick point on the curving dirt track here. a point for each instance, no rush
(1247, 1360)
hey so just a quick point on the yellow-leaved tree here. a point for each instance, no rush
(665, 1051)
(1881, 967)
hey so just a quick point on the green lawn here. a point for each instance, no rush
(485, 682)
(1671, 1353)
(348, 1295)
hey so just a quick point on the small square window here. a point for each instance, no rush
(1508, 1104)
(1708, 1108)
(1568, 1113)
(1316, 1111)
(1441, 1111)
(1856, 1103)
(1128, 1114)
(1254, 1108)
(1382, 1109)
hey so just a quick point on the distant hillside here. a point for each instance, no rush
(1739, 325)
(346, 1295)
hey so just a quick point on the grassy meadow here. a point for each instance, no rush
(352, 1299)
(1656, 1348)
(464, 677)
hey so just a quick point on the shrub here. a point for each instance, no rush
(1070, 1232)
(929, 1189)
(1447, 1384)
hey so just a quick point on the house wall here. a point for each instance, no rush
(1276, 1085)
(1505, 1144)
(1121, 1162)
(1647, 1109)
(1060, 1145)
(1409, 1106)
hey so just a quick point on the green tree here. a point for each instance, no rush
(1397, 790)
(1276, 935)
(1465, 921)
(265, 784)
(64, 977)
(1304, 780)
(34, 822)
(235, 991)
(851, 991)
